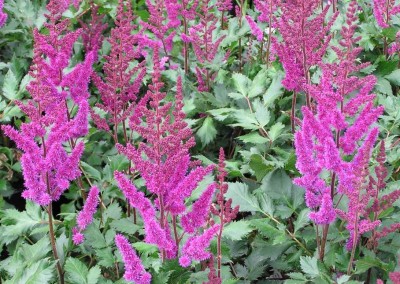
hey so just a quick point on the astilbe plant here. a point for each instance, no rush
(121, 84)
(205, 46)
(328, 138)
(48, 166)
(163, 161)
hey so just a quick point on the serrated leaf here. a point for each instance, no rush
(302, 219)
(76, 271)
(237, 230)
(113, 211)
(394, 77)
(245, 119)
(94, 237)
(239, 192)
(37, 251)
(91, 171)
(207, 131)
(93, 275)
(261, 113)
(125, 225)
(273, 91)
(309, 265)
(39, 272)
(254, 138)
(10, 86)
(241, 82)
(105, 257)
(276, 130)
(145, 248)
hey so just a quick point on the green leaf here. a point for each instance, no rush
(239, 192)
(37, 251)
(76, 271)
(39, 272)
(309, 265)
(91, 171)
(259, 166)
(113, 211)
(241, 82)
(274, 90)
(261, 113)
(10, 86)
(394, 77)
(237, 230)
(367, 262)
(105, 257)
(207, 131)
(93, 275)
(276, 130)
(125, 225)
(254, 138)
(245, 119)
(301, 220)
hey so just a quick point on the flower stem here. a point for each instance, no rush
(53, 244)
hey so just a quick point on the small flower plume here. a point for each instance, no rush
(162, 23)
(255, 30)
(205, 46)
(85, 216)
(92, 32)
(224, 5)
(163, 161)
(121, 83)
(134, 270)
(195, 247)
(48, 168)
(3, 16)
(384, 10)
(305, 39)
(267, 8)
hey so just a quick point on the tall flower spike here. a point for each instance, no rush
(47, 167)
(327, 138)
(92, 35)
(118, 91)
(85, 216)
(384, 10)
(163, 161)
(194, 248)
(134, 270)
(204, 45)
(3, 16)
(305, 39)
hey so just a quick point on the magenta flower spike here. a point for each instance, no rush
(3, 16)
(47, 167)
(384, 10)
(85, 216)
(121, 83)
(134, 270)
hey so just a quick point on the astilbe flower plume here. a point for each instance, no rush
(384, 10)
(267, 8)
(3, 16)
(47, 166)
(134, 270)
(92, 32)
(163, 161)
(162, 23)
(327, 139)
(205, 46)
(85, 216)
(222, 208)
(304, 39)
(121, 84)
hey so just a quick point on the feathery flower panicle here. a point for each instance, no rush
(327, 138)
(3, 16)
(162, 23)
(384, 10)
(255, 30)
(205, 46)
(267, 8)
(305, 39)
(195, 247)
(85, 216)
(47, 167)
(163, 161)
(92, 32)
(224, 5)
(118, 91)
(134, 270)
